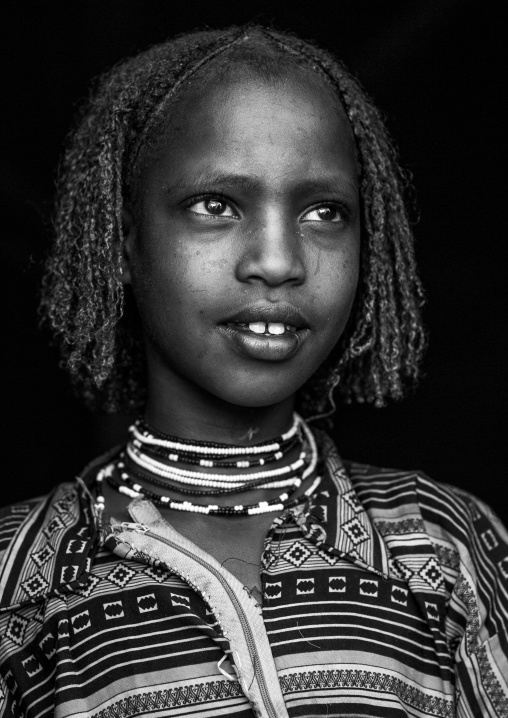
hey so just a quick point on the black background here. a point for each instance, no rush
(434, 68)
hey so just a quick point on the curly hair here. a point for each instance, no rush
(93, 316)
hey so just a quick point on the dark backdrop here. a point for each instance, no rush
(434, 69)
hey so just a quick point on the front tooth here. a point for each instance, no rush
(275, 328)
(257, 327)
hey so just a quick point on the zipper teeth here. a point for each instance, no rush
(241, 613)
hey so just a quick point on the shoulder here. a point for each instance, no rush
(461, 527)
(15, 516)
(25, 545)
(45, 542)
(34, 512)
(445, 509)
(469, 540)
(405, 501)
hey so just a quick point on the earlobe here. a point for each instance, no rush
(128, 236)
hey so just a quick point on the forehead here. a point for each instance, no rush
(289, 126)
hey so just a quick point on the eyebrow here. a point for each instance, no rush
(322, 184)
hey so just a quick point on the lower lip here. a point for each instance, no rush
(273, 347)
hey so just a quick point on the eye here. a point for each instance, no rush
(212, 206)
(325, 213)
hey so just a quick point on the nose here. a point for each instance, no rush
(272, 252)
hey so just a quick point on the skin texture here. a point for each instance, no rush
(287, 232)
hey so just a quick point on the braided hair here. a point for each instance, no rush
(84, 302)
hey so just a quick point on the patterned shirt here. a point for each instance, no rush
(385, 595)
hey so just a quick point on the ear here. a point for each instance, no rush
(128, 238)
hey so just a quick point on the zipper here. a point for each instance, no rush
(141, 528)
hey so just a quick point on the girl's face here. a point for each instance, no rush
(244, 251)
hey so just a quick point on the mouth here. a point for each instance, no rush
(272, 332)
(267, 329)
(273, 319)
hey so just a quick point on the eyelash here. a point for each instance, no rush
(342, 211)
(204, 197)
(337, 206)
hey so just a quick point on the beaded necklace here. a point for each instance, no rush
(133, 471)
(145, 436)
(147, 445)
(189, 458)
(147, 467)
(201, 478)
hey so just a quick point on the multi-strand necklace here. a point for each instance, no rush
(152, 457)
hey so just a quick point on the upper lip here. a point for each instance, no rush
(279, 312)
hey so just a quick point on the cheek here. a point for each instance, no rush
(172, 282)
(336, 279)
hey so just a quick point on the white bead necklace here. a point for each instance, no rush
(126, 485)
(285, 474)
(198, 478)
(210, 448)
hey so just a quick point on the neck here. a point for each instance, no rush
(185, 410)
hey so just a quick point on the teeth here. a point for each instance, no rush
(268, 327)
(276, 328)
(257, 327)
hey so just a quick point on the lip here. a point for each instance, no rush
(266, 347)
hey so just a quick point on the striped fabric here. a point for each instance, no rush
(386, 596)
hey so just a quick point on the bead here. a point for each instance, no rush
(193, 477)
(224, 483)
(208, 448)
(191, 457)
(261, 507)
(128, 492)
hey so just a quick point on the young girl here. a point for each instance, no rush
(231, 249)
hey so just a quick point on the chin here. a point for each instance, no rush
(256, 396)
(258, 385)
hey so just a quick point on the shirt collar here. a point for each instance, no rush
(336, 520)
(392, 543)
